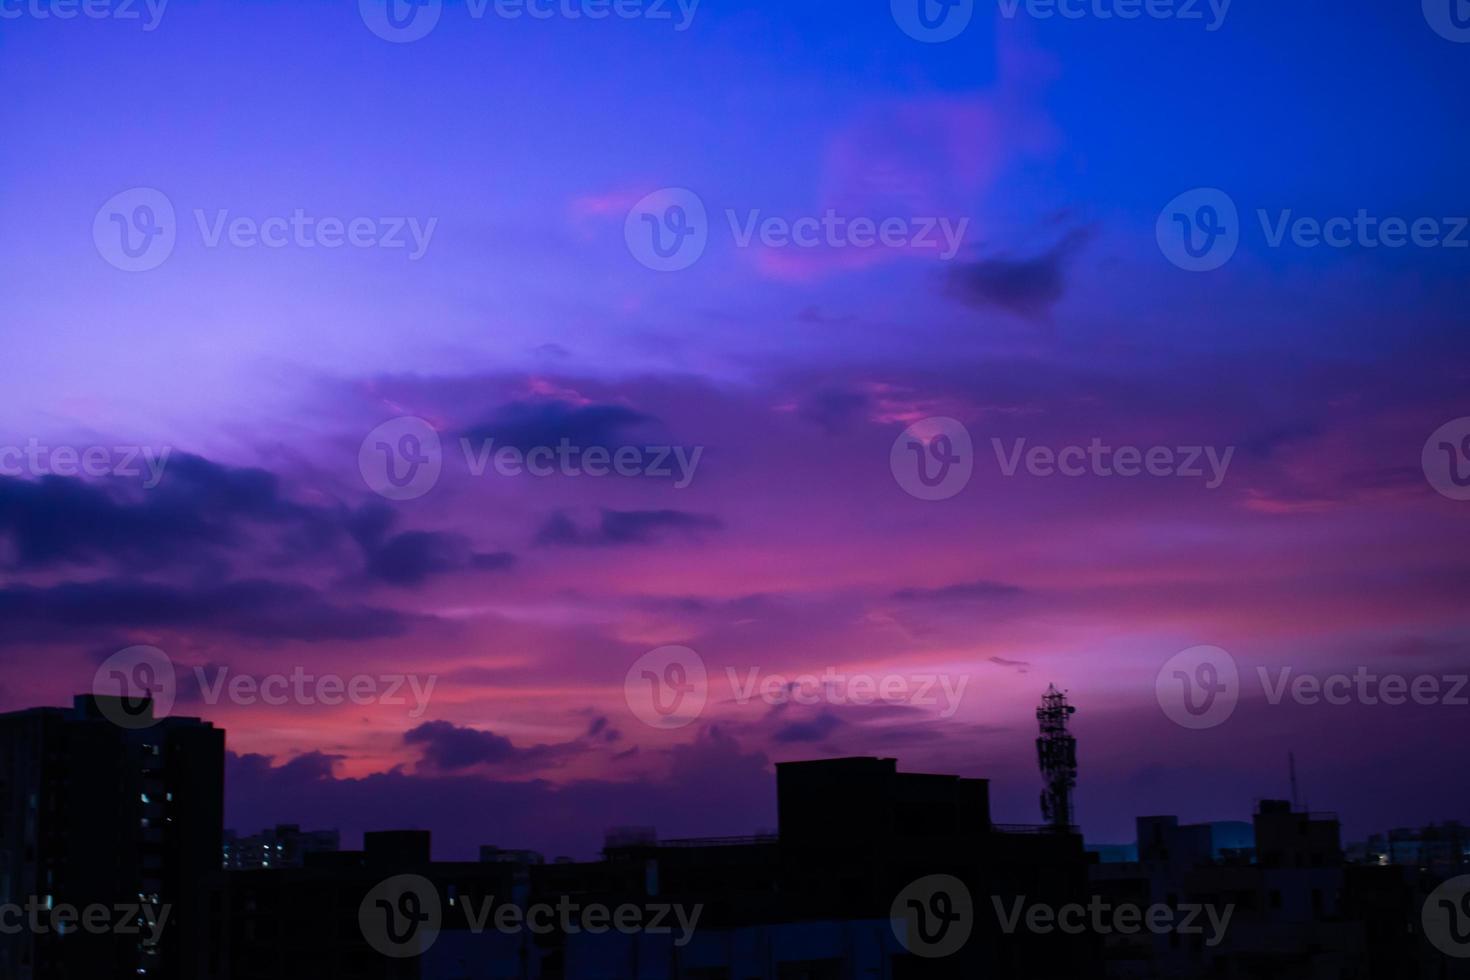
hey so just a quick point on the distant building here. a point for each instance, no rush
(284, 846)
(1440, 848)
(500, 855)
(1114, 853)
(1227, 840)
(94, 814)
(1297, 908)
(814, 900)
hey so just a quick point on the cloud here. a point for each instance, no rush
(205, 513)
(1026, 287)
(410, 558)
(1020, 665)
(197, 505)
(452, 748)
(602, 728)
(835, 410)
(527, 424)
(253, 608)
(625, 527)
(960, 592)
(808, 730)
(709, 785)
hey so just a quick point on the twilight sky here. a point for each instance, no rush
(505, 155)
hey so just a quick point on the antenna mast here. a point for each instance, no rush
(1056, 751)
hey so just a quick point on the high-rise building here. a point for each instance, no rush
(284, 846)
(109, 844)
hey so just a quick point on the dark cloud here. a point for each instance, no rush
(448, 747)
(526, 424)
(602, 728)
(835, 410)
(625, 527)
(1026, 287)
(807, 730)
(960, 592)
(710, 786)
(410, 558)
(197, 505)
(254, 608)
(1021, 666)
(1265, 443)
(203, 514)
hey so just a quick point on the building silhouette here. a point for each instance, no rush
(872, 873)
(93, 814)
(283, 846)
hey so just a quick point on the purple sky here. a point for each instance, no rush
(526, 311)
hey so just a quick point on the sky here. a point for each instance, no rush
(293, 255)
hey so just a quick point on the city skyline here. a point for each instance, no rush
(576, 385)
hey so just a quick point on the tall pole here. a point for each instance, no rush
(1056, 751)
